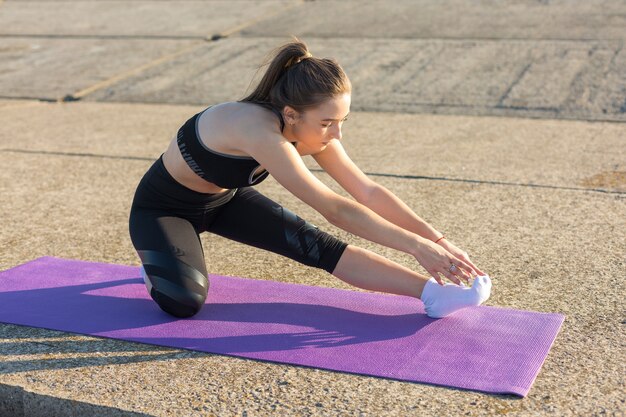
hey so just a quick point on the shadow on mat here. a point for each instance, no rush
(101, 310)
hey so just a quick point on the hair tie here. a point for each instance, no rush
(294, 61)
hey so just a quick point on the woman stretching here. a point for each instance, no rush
(205, 182)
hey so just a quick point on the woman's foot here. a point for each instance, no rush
(443, 300)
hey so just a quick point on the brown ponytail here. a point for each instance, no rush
(296, 78)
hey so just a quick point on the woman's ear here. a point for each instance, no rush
(290, 115)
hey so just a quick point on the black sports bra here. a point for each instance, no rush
(226, 171)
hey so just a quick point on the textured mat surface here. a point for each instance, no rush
(489, 349)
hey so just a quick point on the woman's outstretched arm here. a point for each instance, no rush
(335, 161)
(286, 166)
(389, 206)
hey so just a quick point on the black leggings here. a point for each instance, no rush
(166, 219)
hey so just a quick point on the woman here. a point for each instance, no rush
(204, 182)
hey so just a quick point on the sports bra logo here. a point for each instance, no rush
(256, 173)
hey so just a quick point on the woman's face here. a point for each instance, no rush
(315, 127)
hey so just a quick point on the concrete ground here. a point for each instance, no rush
(500, 123)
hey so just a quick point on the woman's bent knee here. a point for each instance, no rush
(178, 288)
(182, 304)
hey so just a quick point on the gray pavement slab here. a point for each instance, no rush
(557, 79)
(527, 152)
(532, 250)
(51, 69)
(119, 18)
(538, 204)
(553, 250)
(537, 76)
(449, 19)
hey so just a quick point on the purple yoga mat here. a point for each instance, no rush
(489, 349)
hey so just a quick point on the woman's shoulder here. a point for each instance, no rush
(234, 126)
(242, 115)
(244, 107)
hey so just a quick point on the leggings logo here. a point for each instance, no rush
(176, 251)
(256, 174)
(301, 237)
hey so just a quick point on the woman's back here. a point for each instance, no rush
(220, 133)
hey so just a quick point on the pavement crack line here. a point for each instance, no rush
(29, 98)
(258, 19)
(513, 84)
(80, 154)
(101, 37)
(372, 174)
(323, 36)
(534, 113)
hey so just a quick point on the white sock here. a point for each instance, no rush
(442, 300)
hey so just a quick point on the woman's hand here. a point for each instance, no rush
(438, 260)
(462, 255)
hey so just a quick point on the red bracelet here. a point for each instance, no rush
(442, 237)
